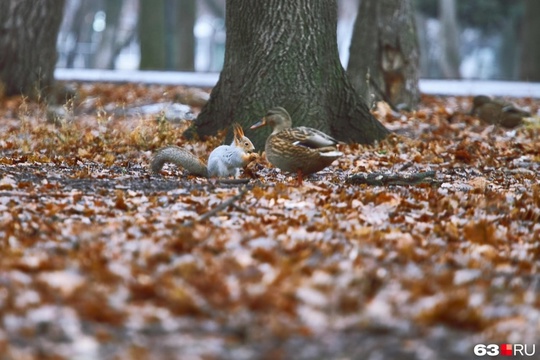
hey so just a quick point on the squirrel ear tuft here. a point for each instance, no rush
(238, 131)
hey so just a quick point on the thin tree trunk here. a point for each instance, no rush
(82, 31)
(104, 56)
(284, 53)
(423, 45)
(184, 58)
(71, 10)
(152, 35)
(384, 54)
(530, 59)
(128, 26)
(449, 59)
(508, 53)
(28, 33)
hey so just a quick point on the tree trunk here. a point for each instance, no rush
(184, 54)
(530, 59)
(449, 59)
(423, 48)
(152, 35)
(508, 53)
(284, 53)
(28, 33)
(67, 29)
(166, 34)
(384, 55)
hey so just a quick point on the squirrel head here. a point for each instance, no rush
(240, 140)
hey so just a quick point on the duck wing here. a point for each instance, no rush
(511, 109)
(309, 137)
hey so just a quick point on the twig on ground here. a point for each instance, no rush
(379, 179)
(230, 201)
(32, 195)
(405, 166)
(233, 181)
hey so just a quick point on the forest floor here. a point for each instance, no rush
(102, 260)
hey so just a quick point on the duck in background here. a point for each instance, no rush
(497, 113)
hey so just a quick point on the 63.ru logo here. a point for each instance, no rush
(504, 350)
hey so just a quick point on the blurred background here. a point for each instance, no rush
(483, 39)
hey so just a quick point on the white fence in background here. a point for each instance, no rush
(427, 86)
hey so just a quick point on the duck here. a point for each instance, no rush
(302, 150)
(498, 113)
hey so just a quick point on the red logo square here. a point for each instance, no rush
(506, 350)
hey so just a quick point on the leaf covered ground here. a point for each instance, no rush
(101, 260)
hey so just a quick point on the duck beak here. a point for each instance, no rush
(261, 123)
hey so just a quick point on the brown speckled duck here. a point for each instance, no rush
(301, 149)
(498, 113)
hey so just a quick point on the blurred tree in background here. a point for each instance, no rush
(77, 29)
(492, 38)
(152, 35)
(530, 60)
(27, 45)
(384, 60)
(449, 58)
(113, 39)
(184, 47)
(94, 33)
(166, 34)
(478, 39)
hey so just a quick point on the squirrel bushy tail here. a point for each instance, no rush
(180, 157)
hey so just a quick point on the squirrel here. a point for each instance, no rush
(224, 161)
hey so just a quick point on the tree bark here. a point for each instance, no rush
(284, 53)
(28, 33)
(384, 52)
(530, 59)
